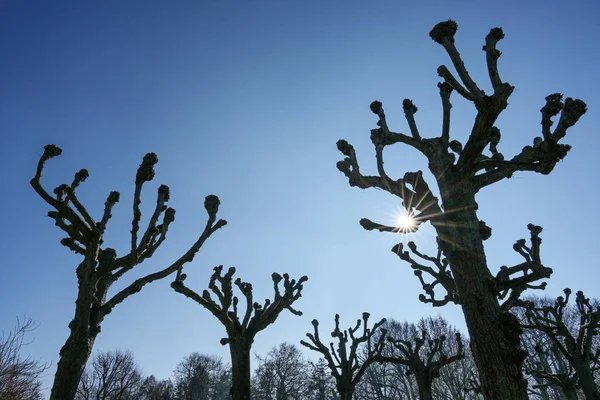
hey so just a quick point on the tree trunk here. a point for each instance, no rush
(84, 327)
(570, 393)
(424, 385)
(495, 336)
(73, 358)
(345, 390)
(240, 369)
(586, 381)
(347, 395)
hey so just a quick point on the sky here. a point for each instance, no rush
(246, 99)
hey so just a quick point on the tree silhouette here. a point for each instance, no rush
(111, 375)
(460, 172)
(101, 267)
(19, 374)
(255, 317)
(424, 363)
(576, 347)
(346, 364)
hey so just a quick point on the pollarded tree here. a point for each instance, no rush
(255, 317)
(349, 361)
(461, 171)
(101, 267)
(424, 357)
(577, 347)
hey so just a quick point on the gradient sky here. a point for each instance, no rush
(246, 99)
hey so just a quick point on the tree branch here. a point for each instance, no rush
(343, 362)
(532, 270)
(441, 276)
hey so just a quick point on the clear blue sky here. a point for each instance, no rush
(246, 99)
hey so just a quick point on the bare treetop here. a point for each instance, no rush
(460, 171)
(101, 266)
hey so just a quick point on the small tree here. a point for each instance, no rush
(576, 347)
(346, 364)
(461, 171)
(255, 317)
(101, 267)
(19, 374)
(112, 375)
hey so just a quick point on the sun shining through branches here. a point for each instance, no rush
(405, 222)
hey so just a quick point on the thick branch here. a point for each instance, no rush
(443, 33)
(546, 152)
(211, 204)
(492, 55)
(531, 270)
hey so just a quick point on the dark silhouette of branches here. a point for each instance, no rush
(460, 171)
(101, 267)
(253, 318)
(112, 375)
(575, 345)
(19, 374)
(345, 363)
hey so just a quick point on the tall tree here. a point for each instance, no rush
(345, 363)
(112, 375)
(575, 345)
(202, 377)
(283, 374)
(101, 267)
(19, 374)
(460, 172)
(255, 317)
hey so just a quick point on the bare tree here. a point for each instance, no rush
(19, 374)
(283, 374)
(202, 377)
(345, 363)
(575, 345)
(152, 389)
(112, 375)
(321, 385)
(424, 357)
(543, 355)
(255, 317)
(460, 172)
(101, 267)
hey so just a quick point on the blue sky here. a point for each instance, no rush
(246, 99)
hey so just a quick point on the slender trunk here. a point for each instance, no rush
(73, 358)
(495, 337)
(240, 369)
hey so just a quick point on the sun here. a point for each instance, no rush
(405, 222)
